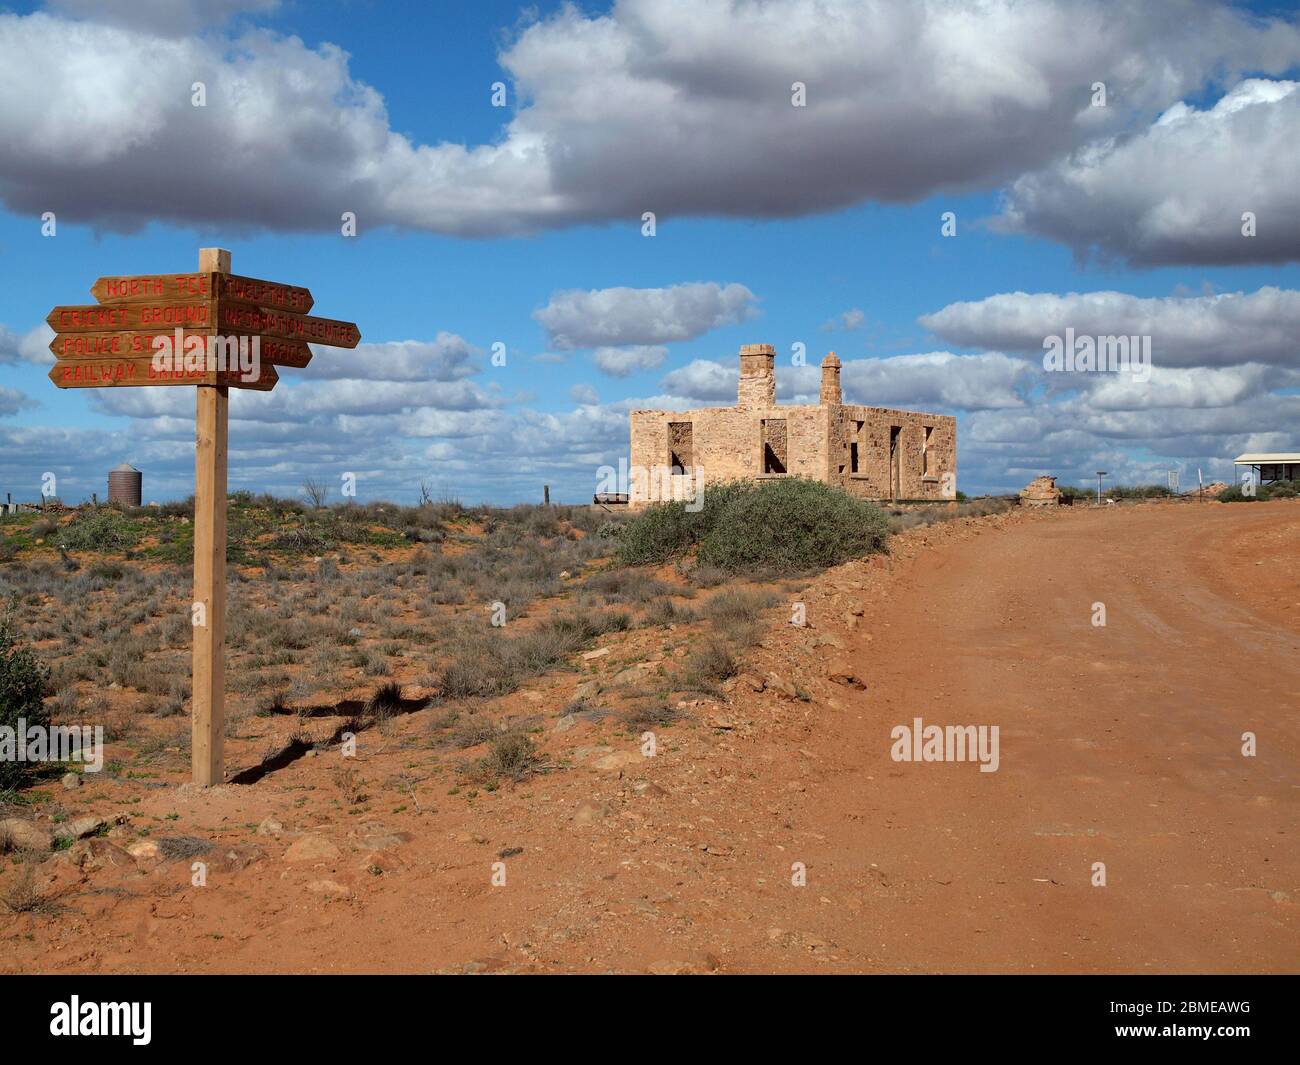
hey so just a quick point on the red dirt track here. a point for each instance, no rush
(1119, 745)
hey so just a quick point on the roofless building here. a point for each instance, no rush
(870, 452)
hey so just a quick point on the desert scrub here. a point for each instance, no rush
(787, 526)
(100, 530)
(22, 682)
(650, 716)
(511, 756)
(710, 663)
(1277, 490)
(491, 663)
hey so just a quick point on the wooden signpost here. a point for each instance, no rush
(116, 343)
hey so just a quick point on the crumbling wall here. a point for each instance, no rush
(872, 479)
(727, 443)
(757, 439)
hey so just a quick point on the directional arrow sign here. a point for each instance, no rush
(117, 344)
(250, 318)
(139, 343)
(278, 352)
(152, 287)
(103, 345)
(158, 315)
(137, 371)
(270, 294)
(145, 288)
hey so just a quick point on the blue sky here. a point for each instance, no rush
(848, 221)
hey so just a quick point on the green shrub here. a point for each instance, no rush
(512, 756)
(1139, 491)
(100, 530)
(658, 535)
(22, 680)
(490, 663)
(788, 526)
(1234, 493)
(710, 662)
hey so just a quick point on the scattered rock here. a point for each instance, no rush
(581, 754)
(238, 856)
(79, 827)
(565, 723)
(376, 863)
(616, 761)
(671, 968)
(600, 652)
(312, 848)
(826, 639)
(376, 837)
(270, 827)
(145, 850)
(96, 853)
(724, 722)
(749, 682)
(589, 812)
(330, 888)
(649, 787)
(588, 689)
(783, 687)
(71, 780)
(849, 681)
(15, 833)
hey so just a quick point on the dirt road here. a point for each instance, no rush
(1118, 744)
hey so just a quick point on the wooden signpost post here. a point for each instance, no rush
(114, 343)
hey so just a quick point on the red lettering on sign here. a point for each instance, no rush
(191, 314)
(96, 317)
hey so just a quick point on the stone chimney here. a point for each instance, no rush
(831, 380)
(757, 377)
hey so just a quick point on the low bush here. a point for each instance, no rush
(491, 664)
(511, 756)
(22, 682)
(99, 530)
(1237, 493)
(786, 526)
(1139, 491)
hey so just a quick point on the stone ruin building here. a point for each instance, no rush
(1040, 492)
(870, 452)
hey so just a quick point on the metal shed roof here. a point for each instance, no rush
(1255, 458)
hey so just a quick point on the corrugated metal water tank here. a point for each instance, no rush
(124, 485)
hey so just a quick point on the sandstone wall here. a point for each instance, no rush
(871, 428)
(758, 439)
(727, 444)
